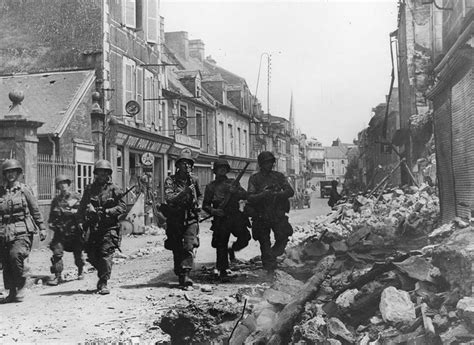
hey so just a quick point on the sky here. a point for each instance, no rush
(333, 55)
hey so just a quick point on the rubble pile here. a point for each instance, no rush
(359, 276)
(389, 216)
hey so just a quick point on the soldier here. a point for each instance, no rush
(99, 211)
(20, 219)
(182, 214)
(227, 217)
(67, 235)
(268, 193)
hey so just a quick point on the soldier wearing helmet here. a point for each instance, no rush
(20, 219)
(268, 194)
(67, 235)
(99, 211)
(182, 195)
(228, 220)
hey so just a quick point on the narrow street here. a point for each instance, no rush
(142, 288)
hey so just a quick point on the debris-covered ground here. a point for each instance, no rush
(377, 270)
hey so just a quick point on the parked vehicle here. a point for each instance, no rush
(325, 188)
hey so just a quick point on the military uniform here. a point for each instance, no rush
(101, 226)
(20, 219)
(233, 222)
(268, 195)
(67, 235)
(182, 229)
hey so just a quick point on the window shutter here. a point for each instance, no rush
(130, 13)
(139, 76)
(152, 21)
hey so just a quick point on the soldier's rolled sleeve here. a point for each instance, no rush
(34, 209)
(206, 203)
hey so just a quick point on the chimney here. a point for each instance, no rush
(178, 43)
(196, 49)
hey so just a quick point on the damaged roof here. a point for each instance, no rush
(51, 98)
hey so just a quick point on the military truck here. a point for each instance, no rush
(325, 188)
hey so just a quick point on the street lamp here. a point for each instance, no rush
(269, 59)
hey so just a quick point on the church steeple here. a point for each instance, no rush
(292, 116)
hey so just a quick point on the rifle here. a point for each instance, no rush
(94, 217)
(227, 197)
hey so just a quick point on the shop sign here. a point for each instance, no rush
(188, 141)
(148, 158)
(123, 139)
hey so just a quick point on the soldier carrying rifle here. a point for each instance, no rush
(67, 235)
(181, 210)
(221, 200)
(268, 194)
(99, 211)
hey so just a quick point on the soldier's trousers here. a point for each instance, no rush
(61, 243)
(100, 249)
(222, 228)
(13, 255)
(261, 230)
(182, 239)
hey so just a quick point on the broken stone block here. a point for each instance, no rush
(454, 258)
(284, 282)
(396, 306)
(337, 328)
(465, 309)
(345, 299)
(265, 319)
(339, 246)
(417, 268)
(315, 248)
(443, 231)
(275, 297)
(456, 334)
(441, 323)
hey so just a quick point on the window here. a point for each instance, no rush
(327, 164)
(119, 157)
(385, 148)
(342, 161)
(230, 135)
(130, 13)
(332, 164)
(199, 125)
(129, 80)
(149, 93)
(332, 172)
(139, 96)
(183, 112)
(152, 21)
(244, 148)
(83, 176)
(239, 142)
(220, 136)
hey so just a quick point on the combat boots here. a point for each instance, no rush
(57, 280)
(20, 294)
(80, 273)
(102, 288)
(11, 296)
(185, 280)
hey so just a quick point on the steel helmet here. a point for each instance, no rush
(185, 154)
(221, 162)
(265, 156)
(103, 164)
(62, 178)
(11, 164)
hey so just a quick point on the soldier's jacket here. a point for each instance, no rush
(102, 198)
(19, 210)
(269, 206)
(63, 212)
(216, 192)
(179, 198)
